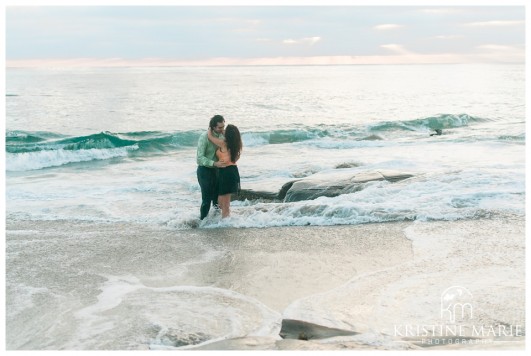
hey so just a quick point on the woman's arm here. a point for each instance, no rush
(216, 141)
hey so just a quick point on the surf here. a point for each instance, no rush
(27, 150)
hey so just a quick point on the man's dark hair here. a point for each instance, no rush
(215, 120)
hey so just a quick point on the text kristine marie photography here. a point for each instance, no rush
(458, 324)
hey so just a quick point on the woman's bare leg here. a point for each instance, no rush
(224, 203)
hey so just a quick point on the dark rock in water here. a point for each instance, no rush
(392, 176)
(302, 330)
(312, 189)
(251, 194)
(371, 138)
(285, 188)
(255, 194)
(347, 165)
(330, 184)
(178, 338)
(308, 189)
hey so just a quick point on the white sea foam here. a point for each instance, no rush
(442, 196)
(28, 161)
(170, 317)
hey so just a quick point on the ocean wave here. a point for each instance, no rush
(27, 161)
(346, 134)
(36, 150)
(22, 137)
(512, 138)
(282, 136)
(52, 149)
(439, 122)
(23, 142)
(151, 141)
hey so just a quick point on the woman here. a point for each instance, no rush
(228, 152)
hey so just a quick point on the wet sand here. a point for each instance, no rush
(362, 280)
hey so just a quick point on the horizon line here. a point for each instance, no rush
(413, 58)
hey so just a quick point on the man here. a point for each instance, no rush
(208, 164)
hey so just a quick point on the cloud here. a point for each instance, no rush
(387, 27)
(191, 34)
(249, 25)
(494, 47)
(253, 22)
(499, 23)
(397, 48)
(310, 41)
(441, 11)
(448, 37)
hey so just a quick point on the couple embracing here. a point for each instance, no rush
(218, 151)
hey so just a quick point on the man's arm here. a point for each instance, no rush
(202, 160)
(216, 141)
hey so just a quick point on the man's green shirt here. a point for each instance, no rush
(206, 150)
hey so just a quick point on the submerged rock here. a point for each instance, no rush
(329, 184)
(251, 194)
(302, 330)
(371, 138)
(348, 165)
(309, 189)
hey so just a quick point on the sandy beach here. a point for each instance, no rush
(74, 285)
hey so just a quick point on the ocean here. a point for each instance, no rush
(117, 144)
(89, 148)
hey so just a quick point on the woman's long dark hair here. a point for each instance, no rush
(234, 143)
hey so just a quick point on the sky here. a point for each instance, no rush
(239, 35)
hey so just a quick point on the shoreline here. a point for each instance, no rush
(362, 279)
